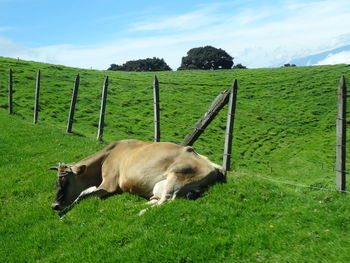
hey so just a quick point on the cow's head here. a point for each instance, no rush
(68, 184)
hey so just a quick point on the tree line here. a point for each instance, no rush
(204, 58)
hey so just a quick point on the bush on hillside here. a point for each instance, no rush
(206, 58)
(289, 65)
(148, 64)
(239, 66)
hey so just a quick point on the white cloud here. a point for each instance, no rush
(256, 37)
(188, 21)
(341, 40)
(338, 58)
(9, 48)
(263, 36)
(100, 57)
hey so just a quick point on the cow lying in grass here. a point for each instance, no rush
(158, 171)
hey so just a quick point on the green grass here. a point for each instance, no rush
(245, 220)
(284, 129)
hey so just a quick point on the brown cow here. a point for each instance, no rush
(158, 171)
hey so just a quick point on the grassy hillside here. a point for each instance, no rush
(285, 124)
(245, 220)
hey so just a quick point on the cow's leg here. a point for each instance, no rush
(157, 191)
(169, 189)
(106, 188)
(91, 191)
(163, 192)
(154, 199)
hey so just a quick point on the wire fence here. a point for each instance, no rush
(281, 181)
(254, 111)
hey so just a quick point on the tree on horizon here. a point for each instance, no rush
(148, 64)
(206, 58)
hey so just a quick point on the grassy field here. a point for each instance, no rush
(285, 123)
(284, 130)
(245, 220)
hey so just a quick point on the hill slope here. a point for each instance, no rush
(245, 220)
(284, 128)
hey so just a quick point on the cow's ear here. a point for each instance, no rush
(53, 168)
(79, 169)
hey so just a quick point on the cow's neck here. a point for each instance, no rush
(93, 175)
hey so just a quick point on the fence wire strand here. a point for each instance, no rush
(290, 183)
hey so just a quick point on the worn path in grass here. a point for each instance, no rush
(245, 220)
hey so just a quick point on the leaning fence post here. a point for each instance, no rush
(226, 162)
(219, 102)
(156, 109)
(72, 105)
(101, 122)
(10, 92)
(341, 137)
(36, 100)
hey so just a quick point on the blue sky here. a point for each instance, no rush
(97, 33)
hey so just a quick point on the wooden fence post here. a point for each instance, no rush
(156, 109)
(207, 118)
(10, 92)
(226, 162)
(72, 105)
(341, 137)
(101, 122)
(36, 99)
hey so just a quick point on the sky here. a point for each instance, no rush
(95, 34)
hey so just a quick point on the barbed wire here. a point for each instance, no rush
(175, 83)
(280, 161)
(283, 96)
(194, 84)
(291, 183)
